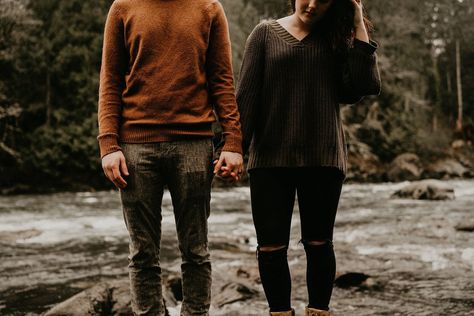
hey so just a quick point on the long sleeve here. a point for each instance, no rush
(250, 83)
(360, 75)
(112, 82)
(221, 82)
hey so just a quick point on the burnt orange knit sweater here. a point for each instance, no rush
(166, 65)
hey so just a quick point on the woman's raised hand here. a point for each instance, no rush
(358, 14)
(359, 26)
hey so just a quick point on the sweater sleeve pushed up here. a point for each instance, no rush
(221, 81)
(250, 83)
(360, 74)
(112, 82)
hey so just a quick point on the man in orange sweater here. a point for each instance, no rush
(166, 68)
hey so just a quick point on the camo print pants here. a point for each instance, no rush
(185, 167)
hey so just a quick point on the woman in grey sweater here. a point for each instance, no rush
(295, 73)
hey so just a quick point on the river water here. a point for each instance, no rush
(53, 246)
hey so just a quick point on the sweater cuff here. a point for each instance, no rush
(233, 145)
(108, 144)
(368, 48)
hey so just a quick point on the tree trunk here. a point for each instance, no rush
(449, 85)
(437, 82)
(459, 86)
(49, 109)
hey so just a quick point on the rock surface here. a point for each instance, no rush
(113, 298)
(13, 236)
(467, 226)
(97, 300)
(405, 167)
(426, 190)
(363, 164)
(446, 169)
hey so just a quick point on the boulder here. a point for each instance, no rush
(363, 164)
(458, 144)
(14, 236)
(405, 167)
(357, 280)
(233, 292)
(426, 190)
(446, 168)
(350, 279)
(103, 299)
(95, 301)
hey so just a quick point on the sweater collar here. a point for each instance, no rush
(288, 37)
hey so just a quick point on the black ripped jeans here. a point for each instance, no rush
(273, 193)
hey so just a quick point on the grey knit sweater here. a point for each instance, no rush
(289, 93)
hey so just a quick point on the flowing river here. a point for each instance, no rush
(53, 246)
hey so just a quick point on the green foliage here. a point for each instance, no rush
(65, 151)
(416, 59)
(51, 65)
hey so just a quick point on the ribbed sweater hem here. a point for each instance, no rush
(152, 134)
(315, 165)
(109, 143)
(157, 133)
(257, 165)
(294, 159)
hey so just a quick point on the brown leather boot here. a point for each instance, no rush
(315, 312)
(288, 313)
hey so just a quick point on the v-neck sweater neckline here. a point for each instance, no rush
(284, 34)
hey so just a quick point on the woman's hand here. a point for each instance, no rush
(358, 13)
(359, 26)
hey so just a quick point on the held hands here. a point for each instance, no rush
(115, 168)
(229, 164)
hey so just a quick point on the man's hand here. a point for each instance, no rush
(230, 164)
(114, 167)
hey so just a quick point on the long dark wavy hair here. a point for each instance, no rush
(337, 25)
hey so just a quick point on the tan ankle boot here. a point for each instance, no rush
(288, 313)
(315, 312)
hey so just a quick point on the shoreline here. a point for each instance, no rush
(21, 189)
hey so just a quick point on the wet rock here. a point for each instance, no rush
(458, 144)
(174, 284)
(224, 245)
(446, 168)
(16, 189)
(103, 299)
(243, 273)
(14, 236)
(405, 167)
(94, 301)
(426, 190)
(233, 292)
(465, 227)
(359, 281)
(363, 164)
(121, 299)
(350, 279)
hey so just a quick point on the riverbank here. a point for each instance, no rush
(417, 262)
(364, 166)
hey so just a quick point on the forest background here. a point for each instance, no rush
(50, 52)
